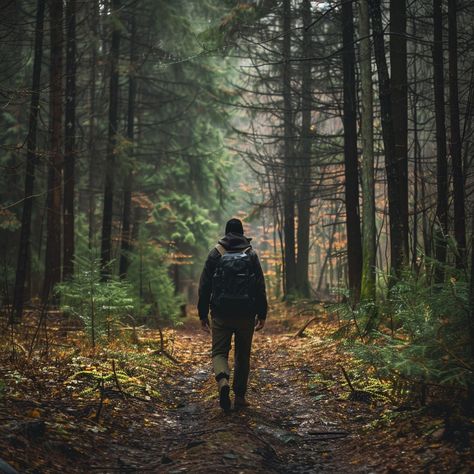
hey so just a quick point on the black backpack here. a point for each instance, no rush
(233, 283)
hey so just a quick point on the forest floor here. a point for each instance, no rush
(137, 410)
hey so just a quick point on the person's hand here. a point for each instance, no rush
(205, 326)
(259, 324)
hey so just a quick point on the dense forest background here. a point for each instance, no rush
(133, 130)
(340, 132)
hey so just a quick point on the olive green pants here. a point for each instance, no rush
(222, 331)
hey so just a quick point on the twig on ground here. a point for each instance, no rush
(346, 376)
(300, 332)
(327, 433)
(166, 354)
(101, 403)
(119, 387)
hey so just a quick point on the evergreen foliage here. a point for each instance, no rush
(100, 305)
(420, 331)
(148, 274)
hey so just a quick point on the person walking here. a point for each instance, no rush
(232, 286)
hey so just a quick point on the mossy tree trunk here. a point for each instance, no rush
(367, 135)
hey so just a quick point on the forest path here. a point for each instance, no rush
(164, 416)
(293, 425)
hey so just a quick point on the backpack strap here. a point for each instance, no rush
(245, 250)
(220, 248)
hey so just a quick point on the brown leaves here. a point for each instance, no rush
(163, 416)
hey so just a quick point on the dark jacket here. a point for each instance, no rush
(231, 242)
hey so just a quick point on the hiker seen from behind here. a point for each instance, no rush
(232, 287)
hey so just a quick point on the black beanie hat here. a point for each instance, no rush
(235, 226)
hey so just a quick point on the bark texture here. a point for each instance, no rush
(127, 187)
(31, 161)
(441, 225)
(399, 90)
(455, 141)
(52, 273)
(106, 245)
(354, 244)
(288, 157)
(304, 171)
(393, 182)
(70, 141)
(367, 135)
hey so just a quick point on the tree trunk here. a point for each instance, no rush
(31, 158)
(399, 91)
(354, 244)
(70, 141)
(416, 154)
(52, 273)
(137, 220)
(455, 143)
(289, 192)
(441, 225)
(127, 188)
(471, 320)
(367, 133)
(94, 11)
(328, 255)
(393, 184)
(304, 195)
(106, 247)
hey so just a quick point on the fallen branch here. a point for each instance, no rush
(300, 332)
(102, 397)
(348, 380)
(356, 395)
(117, 383)
(332, 433)
(166, 354)
(162, 350)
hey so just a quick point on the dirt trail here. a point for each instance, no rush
(286, 429)
(167, 419)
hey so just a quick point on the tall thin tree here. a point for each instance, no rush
(127, 187)
(415, 100)
(106, 246)
(399, 96)
(304, 169)
(455, 138)
(471, 320)
(31, 160)
(52, 271)
(288, 152)
(94, 12)
(367, 135)
(354, 244)
(69, 141)
(393, 182)
(441, 224)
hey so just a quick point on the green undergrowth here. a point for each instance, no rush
(414, 341)
(138, 372)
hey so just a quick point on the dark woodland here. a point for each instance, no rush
(341, 133)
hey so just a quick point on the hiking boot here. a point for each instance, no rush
(224, 390)
(240, 402)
